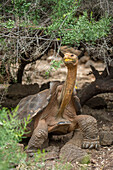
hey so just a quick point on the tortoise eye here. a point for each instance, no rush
(72, 55)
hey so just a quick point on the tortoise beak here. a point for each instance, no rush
(69, 59)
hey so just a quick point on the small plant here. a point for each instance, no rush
(54, 65)
(11, 132)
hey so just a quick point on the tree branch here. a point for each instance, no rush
(95, 72)
(102, 84)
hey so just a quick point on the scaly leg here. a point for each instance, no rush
(38, 137)
(88, 125)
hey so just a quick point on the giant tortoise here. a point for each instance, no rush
(55, 111)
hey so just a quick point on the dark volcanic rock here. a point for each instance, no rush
(96, 103)
(45, 86)
(16, 92)
(20, 91)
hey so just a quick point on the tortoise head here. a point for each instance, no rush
(70, 60)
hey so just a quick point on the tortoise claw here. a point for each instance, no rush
(97, 145)
(85, 145)
(90, 144)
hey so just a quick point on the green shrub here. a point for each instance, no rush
(11, 132)
(73, 30)
(65, 23)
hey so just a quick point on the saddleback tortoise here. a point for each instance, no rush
(54, 111)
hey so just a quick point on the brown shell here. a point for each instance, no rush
(34, 104)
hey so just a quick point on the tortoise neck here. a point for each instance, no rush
(67, 89)
(70, 79)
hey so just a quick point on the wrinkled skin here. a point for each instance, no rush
(55, 111)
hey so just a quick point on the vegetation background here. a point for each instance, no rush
(28, 29)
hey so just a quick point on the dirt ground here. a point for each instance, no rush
(101, 159)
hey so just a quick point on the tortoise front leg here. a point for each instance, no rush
(38, 137)
(88, 125)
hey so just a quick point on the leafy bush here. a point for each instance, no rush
(29, 28)
(65, 22)
(11, 132)
(73, 30)
(62, 7)
(9, 24)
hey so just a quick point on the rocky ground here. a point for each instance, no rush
(101, 159)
